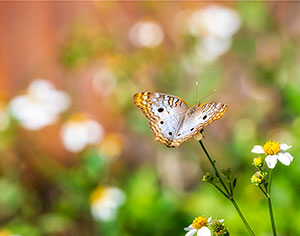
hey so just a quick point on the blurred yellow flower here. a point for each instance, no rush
(112, 145)
(6, 232)
(105, 202)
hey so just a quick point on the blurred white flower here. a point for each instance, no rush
(274, 152)
(210, 48)
(199, 226)
(40, 106)
(80, 131)
(214, 26)
(104, 82)
(105, 202)
(146, 34)
(4, 118)
(215, 20)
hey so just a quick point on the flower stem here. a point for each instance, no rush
(242, 217)
(264, 192)
(229, 194)
(215, 168)
(270, 204)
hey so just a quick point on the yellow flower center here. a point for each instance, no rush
(199, 222)
(5, 232)
(78, 117)
(271, 148)
(97, 194)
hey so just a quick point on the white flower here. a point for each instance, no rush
(215, 20)
(210, 48)
(81, 131)
(146, 34)
(105, 202)
(214, 26)
(199, 226)
(274, 152)
(40, 106)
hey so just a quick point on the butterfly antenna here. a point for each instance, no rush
(197, 88)
(213, 91)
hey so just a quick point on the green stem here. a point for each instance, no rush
(270, 204)
(229, 195)
(242, 217)
(215, 168)
(264, 192)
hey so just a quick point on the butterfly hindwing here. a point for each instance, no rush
(198, 117)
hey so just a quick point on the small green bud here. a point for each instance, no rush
(208, 177)
(227, 172)
(218, 228)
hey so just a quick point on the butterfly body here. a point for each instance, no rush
(171, 118)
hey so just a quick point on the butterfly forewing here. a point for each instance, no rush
(172, 120)
(164, 112)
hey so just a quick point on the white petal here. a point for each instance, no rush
(190, 233)
(284, 147)
(190, 227)
(204, 231)
(271, 161)
(103, 213)
(258, 149)
(209, 220)
(289, 156)
(117, 195)
(284, 159)
(222, 220)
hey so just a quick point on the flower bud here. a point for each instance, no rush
(257, 178)
(218, 227)
(258, 162)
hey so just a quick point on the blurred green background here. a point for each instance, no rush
(119, 182)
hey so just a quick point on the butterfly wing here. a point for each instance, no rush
(196, 118)
(164, 112)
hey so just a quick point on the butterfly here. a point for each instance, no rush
(171, 118)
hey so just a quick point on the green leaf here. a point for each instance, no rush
(234, 183)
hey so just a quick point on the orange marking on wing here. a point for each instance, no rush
(170, 101)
